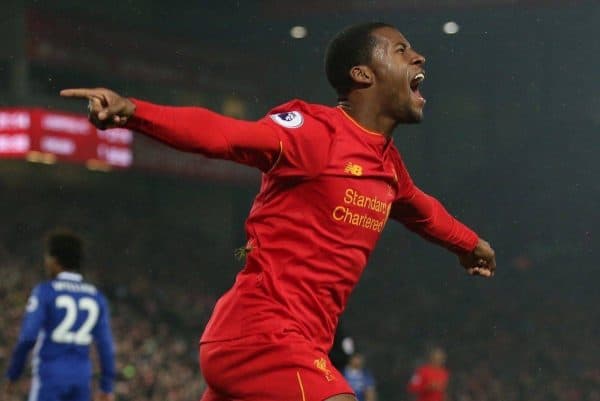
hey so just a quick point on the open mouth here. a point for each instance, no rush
(416, 82)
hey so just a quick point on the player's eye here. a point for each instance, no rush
(401, 49)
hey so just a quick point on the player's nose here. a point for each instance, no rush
(417, 58)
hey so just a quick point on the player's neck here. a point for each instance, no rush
(368, 115)
(52, 271)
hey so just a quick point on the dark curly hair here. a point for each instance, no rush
(66, 247)
(351, 47)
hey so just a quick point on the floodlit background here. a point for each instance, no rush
(510, 143)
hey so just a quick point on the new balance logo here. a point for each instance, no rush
(353, 169)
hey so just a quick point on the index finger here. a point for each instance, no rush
(82, 93)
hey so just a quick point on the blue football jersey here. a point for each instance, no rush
(64, 316)
(359, 380)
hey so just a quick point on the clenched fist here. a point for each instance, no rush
(480, 262)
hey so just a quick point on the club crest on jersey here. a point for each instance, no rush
(32, 304)
(289, 119)
(321, 364)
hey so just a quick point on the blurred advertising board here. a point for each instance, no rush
(48, 136)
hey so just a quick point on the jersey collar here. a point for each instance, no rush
(375, 138)
(70, 276)
(378, 135)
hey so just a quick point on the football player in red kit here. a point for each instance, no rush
(332, 177)
(430, 381)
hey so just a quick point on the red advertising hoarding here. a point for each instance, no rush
(49, 136)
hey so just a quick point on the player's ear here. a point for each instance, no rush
(362, 75)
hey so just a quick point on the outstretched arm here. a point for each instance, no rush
(426, 216)
(192, 129)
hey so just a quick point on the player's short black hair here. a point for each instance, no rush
(350, 47)
(66, 247)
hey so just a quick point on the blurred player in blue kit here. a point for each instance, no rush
(360, 379)
(63, 316)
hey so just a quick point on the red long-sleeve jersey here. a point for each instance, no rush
(429, 383)
(328, 188)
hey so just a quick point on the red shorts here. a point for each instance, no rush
(268, 368)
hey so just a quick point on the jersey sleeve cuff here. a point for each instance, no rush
(141, 115)
(468, 242)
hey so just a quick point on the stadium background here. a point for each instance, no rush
(510, 144)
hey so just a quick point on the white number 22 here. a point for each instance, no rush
(62, 333)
